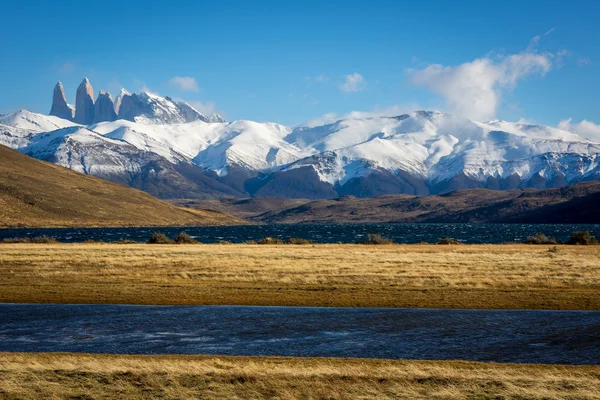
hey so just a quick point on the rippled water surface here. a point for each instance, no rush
(566, 337)
(322, 233)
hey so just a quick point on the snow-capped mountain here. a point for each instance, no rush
(145, 107)
(171, 150)
(441, 152)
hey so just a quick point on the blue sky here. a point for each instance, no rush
(291, 62)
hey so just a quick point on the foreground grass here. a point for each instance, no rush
(87, 376)
(463, 276)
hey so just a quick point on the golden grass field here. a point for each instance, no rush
(87, 376)
(456, 276)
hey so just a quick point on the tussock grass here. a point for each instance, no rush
(184, 238)
(582, 238)
(376, 239)
(36, 239)
(466, 276)
(87, 376)
(448, 240)
(160, 238)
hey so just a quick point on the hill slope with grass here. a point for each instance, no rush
(575, 204)
(34, 193)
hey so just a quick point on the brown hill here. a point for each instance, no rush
(34, 193)
(242, 208)
(578, 203)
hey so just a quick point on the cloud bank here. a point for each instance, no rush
(474, 89)
(205, 107)
(184, 83)
(585, 128)
(392, 111)
(353, 83)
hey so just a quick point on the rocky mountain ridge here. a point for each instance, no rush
(171, 150)
(131, 107)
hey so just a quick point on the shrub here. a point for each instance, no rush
(37, 239)
(299, 241)
(448, 240)
(224, 242)
(582, 238)
(184, 238)
(16, 240)
(159, 238)
(125, 241)
(43, 239)
(540, 238)
(376, 238)
(553, 249)
(270, 240)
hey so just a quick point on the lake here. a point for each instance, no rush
(321, 233)
(528, 336)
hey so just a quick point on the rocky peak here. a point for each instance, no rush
(150, 108)
(84, 103)
(60, 108)
(214, 117)
(104, 108)
(123, 93)
(189, 113)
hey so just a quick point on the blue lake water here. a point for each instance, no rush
(321, 233)
(565, 337)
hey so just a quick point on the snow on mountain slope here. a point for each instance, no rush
(250, 145)
(215, 146)
(29, 121)
(85, 151)
(150, 108)
(420, 151)
(438, 146)
(17, 128)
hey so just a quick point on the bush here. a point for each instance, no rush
(159, 238)
(448, 240)
(38, 239)
(582, 238)
(16, 240)
(184, 238)
(224, 242)
(270, 240)
(125, 241)
(540, 238)
(43, 239)
(376, 238)
(299, 241)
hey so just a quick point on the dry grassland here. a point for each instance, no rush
(86, 376)
(464, 276)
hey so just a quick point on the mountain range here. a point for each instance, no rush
(170, 150)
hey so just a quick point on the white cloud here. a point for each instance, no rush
(184, 83)
(146, 89)
(205, 107)
(353, 83)
(392, 111)
(474, 89)
(585, 128)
